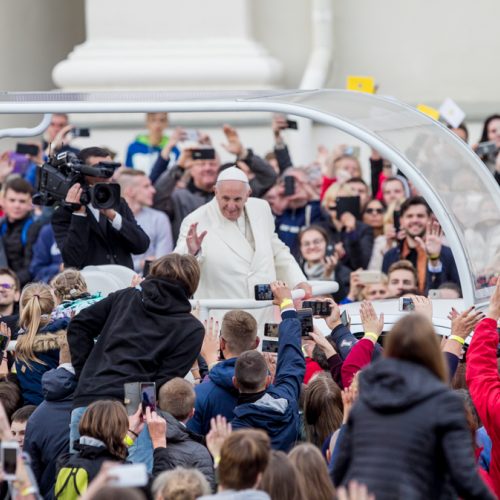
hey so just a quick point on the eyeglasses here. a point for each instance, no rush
(332, 208)
(7, 286)
(312, 243)
(379, 211)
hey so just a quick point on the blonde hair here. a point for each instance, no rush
(68, 285)
(180, 484)
(336, 190)
(36, 304)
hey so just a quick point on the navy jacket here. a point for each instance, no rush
(277, 411)
(216, 396)
(433, 280)
(47, 434)
(47, 259)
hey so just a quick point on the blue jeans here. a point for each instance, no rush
(74, 433)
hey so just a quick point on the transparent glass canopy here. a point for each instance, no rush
(461, 191)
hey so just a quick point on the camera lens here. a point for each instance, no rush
(106, 195)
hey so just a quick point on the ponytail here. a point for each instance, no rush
(37, 302)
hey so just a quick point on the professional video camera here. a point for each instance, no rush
(55, 177)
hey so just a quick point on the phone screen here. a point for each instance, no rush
(306, 321)
(263, 292)
(269, 346)
(318, 308)
(203, 154)
(344, 318)
(349, 204)
(147, 267)
(81, 132)
(406, 304)
(271, 330)
(289, 181)
(9, 460)
(4, 342)
(148, 396)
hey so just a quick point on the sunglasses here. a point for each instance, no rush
(7, 286)
(379, 211)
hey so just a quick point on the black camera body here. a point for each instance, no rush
(60, 172)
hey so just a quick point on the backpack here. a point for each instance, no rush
(71, 483)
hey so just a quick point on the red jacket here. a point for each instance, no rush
(484, 387)
(359, 356)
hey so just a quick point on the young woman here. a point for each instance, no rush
(311, 466)
(407, 424)
(281, 480)
(317, 265)
(322, 409)
(37, 349)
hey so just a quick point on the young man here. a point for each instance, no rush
(273, 409)
(19, 422)
(184, 448)
(423, 247)
(90, 236)
(138, 192)
(402, 278)
(394, 190)
(18, 228)
(9, 292)
(143, 152)
(218, 396)
(244, 456)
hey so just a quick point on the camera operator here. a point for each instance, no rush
(89, 236)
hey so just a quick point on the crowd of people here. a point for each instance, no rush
(130, 395)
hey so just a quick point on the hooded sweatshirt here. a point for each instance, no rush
(144, 334)
(47, 431)
(216, 396)
(406, 435)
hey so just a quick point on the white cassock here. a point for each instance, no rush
(237, 255)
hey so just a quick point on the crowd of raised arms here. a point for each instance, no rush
(130, 396)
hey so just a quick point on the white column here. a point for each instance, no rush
(162, 44)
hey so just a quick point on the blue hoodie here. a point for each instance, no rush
(47, 434)
(277, 411)
(216, 396)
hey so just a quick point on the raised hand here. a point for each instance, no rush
(220, 429)
(210, 347)
(348, 221)
(234, 145)
(371, 322)
(321, 341)
(463, 324)
(355, 491)
(157, 427)
(423, 306)
(6, 166)
(432, 241)
(494, 308)
(331, 262)
(194, 240)
(334, 319)
(280, 292)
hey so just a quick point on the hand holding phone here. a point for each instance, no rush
(9, 451)
(148, 396)
(305, 317)
(263, 292)
(406, 304)
(289, 181)
(319, 308)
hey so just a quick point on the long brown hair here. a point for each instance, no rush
(36, 304)
(323, 409)
(311, 466)
(108, 422)
(281, 480)
(413, 339)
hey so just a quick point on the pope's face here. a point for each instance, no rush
(231, 197)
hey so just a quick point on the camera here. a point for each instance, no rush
(60, 172)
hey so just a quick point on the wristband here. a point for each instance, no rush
(128, 441)
(434, 257)
(134, 433)
(456, 338)
(216, 460)
(285, 303)
(371, 336)
(28, 491)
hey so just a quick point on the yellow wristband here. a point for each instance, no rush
(456, 338)
(371, 336)
(128, 441)
(434, 257)
(286, 303)
(216, 460)
(28, 491)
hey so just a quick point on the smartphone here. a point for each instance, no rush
(132, 397)
(369, 277)
(4, 342)
(9, 450)
(330, 250)
(397, 220)
(81, 132)
(352, 151)
(27, 149)
(486, 148)
(345, 318)
(434, 294)
(349, 204)
(203, 154)
(292, 124)
(305, 317)
(406, 304)
(289, 181)
(147, 267)
(263, 292)
(148, 396)
(270, 346)
(318, 308)
(271, 330)
(128, 475)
